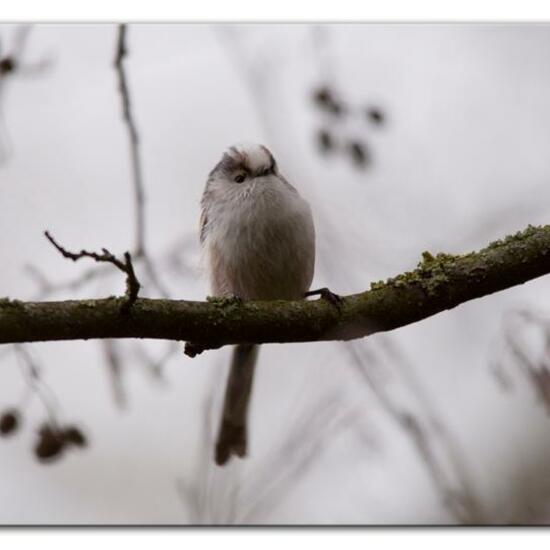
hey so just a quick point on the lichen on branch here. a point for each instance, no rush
(440, 282)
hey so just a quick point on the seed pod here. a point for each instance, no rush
(325, 141)
(73, 435)
(7, 65)
(325, 100)
(359, 154)
(45, 429)
(336, 108)
(322, 96)
(9, 422)
(376, 116)
(50, 443)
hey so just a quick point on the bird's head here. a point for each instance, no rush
(244, 164)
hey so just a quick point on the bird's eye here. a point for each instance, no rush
(240, 178)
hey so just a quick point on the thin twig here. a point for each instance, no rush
(140, 249)
(458, 497)
(466, 496)
(113, 360)
(35, 383)
(132, 284)
(11, 64)
(47, 287)
(139, 194)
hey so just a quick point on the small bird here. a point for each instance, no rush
(258, 243)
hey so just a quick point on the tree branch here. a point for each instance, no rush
(439, 283)
(132, 284)
(139, 194)
(140, 251)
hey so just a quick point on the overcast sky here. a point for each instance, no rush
(461, 159)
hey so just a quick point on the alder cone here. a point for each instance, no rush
(9, 422)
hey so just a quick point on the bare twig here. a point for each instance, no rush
(522, 353)
(48, 287)
(154, 365)
(139, 194)
(35, 383)
(140, 248)
(302, 446)
(229, 498)
(464, 501)
(12, 64)
(362, 359)
(132, 284)
(111, 352)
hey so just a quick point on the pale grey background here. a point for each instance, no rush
(463, 159)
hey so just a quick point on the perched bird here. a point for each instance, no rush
(258, 243)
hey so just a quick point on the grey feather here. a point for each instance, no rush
(258, 243)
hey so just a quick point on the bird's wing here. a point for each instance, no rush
(203, 222)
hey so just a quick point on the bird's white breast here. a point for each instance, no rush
(262, 245)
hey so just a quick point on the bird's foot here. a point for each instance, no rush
(327, 295)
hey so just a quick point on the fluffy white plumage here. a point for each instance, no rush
(258, 241)
(257, 235)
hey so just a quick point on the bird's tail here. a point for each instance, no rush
(232, 435)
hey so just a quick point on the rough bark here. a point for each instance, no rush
(440, 282)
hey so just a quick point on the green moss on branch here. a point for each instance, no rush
(440, 282)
